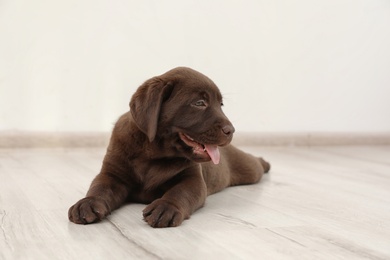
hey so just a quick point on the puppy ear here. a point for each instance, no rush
(146, 103)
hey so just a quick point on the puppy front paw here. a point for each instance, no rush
(88, 210)
(161, 213)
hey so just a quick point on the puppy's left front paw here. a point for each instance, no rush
(161, 213)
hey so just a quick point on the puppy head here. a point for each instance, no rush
(183, 107)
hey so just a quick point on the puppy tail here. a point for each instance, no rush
(265, 164)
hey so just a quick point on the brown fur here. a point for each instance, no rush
(147, 161)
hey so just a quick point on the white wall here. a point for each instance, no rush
(283, 66)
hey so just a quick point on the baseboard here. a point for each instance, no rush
(311, 139)
(17, 139)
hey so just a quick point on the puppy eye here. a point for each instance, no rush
(200, 103)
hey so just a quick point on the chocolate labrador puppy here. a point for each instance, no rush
(170, 151)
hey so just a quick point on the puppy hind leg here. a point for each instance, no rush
(265, 164)
(248, 171)
(244, 168)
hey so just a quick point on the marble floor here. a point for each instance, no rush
(324, 202)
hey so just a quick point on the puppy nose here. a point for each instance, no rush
(228, 130)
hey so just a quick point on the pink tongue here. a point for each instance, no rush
(213, 152)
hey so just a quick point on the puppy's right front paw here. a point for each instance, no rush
(88, 210)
